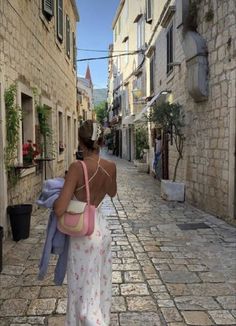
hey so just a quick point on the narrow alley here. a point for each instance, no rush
(172, 264)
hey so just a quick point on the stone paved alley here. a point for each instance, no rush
(162, 275)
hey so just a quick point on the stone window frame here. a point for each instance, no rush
(23, 89)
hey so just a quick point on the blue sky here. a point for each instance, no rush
(94, 31)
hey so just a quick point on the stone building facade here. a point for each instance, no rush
(38, 55)
(193, 59)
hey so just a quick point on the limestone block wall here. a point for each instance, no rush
(32, 57)
(208, 167)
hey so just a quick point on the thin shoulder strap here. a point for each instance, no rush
(86, 181)
(104, 170)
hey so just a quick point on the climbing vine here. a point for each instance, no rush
(13, 119)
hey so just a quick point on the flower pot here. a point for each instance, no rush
(172, 191)
(1, 239)
(20, 216)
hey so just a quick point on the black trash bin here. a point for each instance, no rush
(1, 239)
(20, 216)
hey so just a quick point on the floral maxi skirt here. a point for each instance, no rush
(89, 277)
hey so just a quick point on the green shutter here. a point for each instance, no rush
(74, 50)
(67, 36)
(47, 6)
(60, 20)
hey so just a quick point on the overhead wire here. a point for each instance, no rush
(109, 56)
(93, 50)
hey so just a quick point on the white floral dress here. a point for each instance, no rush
(89, 276)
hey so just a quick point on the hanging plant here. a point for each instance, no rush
(13, 120)
(45, 130)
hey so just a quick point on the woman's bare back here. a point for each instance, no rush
(101, 174)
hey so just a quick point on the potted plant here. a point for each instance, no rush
(19, 214)
(30, 152)
(171, 120)
(141, 140)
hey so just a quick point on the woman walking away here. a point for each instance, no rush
(89, 270)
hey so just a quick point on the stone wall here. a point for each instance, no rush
(205, 167)
(32, 56)
(208, 167)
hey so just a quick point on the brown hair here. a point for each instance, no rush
(85, 135)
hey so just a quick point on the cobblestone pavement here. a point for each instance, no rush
(162, 274)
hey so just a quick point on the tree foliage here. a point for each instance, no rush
(101, 112)
(170, 118)
(13, 120)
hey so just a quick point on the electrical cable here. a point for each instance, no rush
(110, 56)
(93, 50)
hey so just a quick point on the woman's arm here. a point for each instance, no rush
(66, 194)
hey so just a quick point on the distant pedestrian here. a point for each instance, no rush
(89, 271)
(157, 158)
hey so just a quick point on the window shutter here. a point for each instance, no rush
(47, 7)
(148, 11)
(60, 20)
(74, 50)
(67, 36)
(169, 41)
(152, 75)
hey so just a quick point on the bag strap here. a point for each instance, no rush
(86, 181)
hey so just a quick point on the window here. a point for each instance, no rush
(149, 10)
(67, 36)
(47, 7)
(60, 20)
(140, 33)
(169, 52)
(127, 110)
(75, 134)
(74, 50)
(152, 62)
(140, 36)
(27, 118)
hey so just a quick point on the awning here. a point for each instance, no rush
(159, 98)
(128, 120)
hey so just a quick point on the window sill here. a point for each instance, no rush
(25, 169)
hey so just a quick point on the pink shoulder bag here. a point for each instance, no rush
(79, 218)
